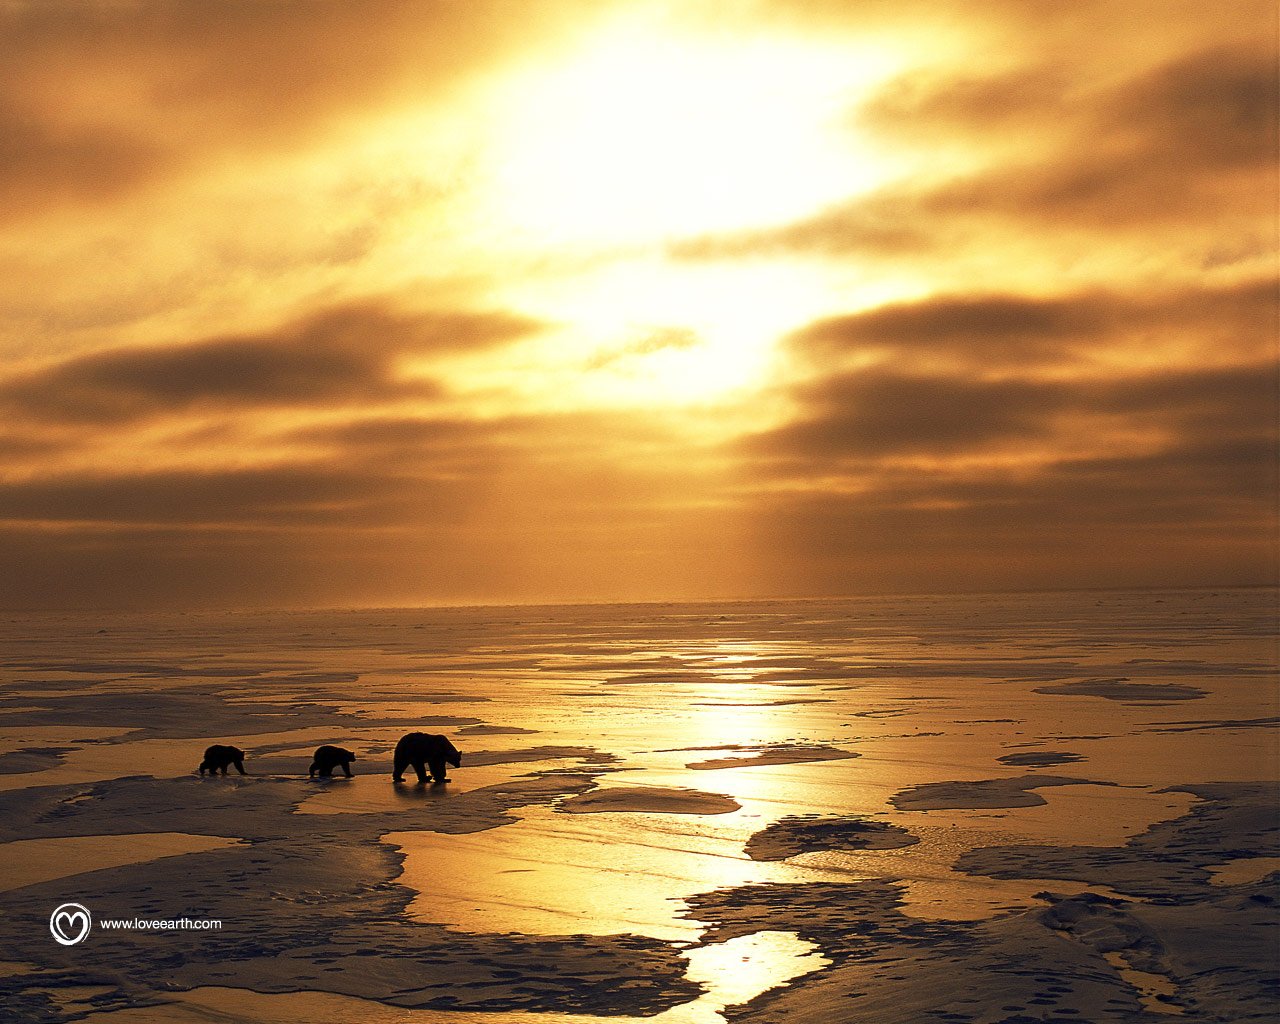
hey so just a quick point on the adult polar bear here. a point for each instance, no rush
(422, 750)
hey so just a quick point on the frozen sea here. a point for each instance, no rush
(990, 808)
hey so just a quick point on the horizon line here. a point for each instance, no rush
(588, 603)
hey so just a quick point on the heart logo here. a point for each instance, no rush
(70, 923)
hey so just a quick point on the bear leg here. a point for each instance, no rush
(346, 768)
(420, 767)
(437, 769)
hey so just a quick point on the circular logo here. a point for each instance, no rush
(70, 923)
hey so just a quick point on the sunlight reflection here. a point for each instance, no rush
(732, 973)
(595, 874)
(740, 969)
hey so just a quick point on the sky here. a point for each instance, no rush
(397, 303)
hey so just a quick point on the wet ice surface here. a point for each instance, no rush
(29, 861)
(794, 811)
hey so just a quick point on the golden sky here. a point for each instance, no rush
(412, 302)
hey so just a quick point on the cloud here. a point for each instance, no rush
(18, 445)
(658, 339)
(884, 224)
(891, 480)
(1195, 512)
(1191, 139)
(180, 567)
(882, 412)
(380, 508)
(324, 528)
(1184, 145)
(40, 159)
(580, 443)
(1020, 330)
(342, 356)
(976, 325)
(275, 496)
(394, 433)
(1205, 405)
(854, 418)
(927, 106)
(98, 99)
(1085, 393)
(1181, 521)
(1215, 109)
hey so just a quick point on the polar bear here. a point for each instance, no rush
(327, 758)
(423, 750)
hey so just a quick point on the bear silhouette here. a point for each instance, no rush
(328, 758)
(219, 756)
(423, 750)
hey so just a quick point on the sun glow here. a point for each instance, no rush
(649, 332)
(596, 159)
(646, 135)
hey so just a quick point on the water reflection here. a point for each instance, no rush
(731, 973)
(565, 874)
(604, 873)
(740, 969)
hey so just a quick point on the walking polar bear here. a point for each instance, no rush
(327, 758)
(424, 751)
(219, 757)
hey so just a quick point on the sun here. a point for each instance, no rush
(642, 132)
(645, 132)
